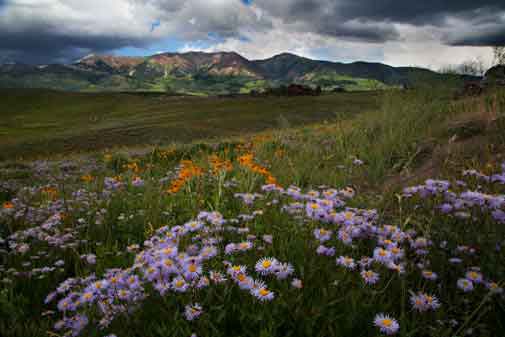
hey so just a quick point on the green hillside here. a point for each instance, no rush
(200, 73)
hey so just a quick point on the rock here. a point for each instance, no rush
(467, 129)
(495, 76)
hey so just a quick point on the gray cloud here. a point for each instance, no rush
(483, 30)
(42, 31)
(377, 21)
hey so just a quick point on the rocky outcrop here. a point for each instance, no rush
(495, 76)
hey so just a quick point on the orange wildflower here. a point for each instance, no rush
(8, 205)
(87, 178)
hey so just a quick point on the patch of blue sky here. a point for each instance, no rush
(154, 25)
(165, 45)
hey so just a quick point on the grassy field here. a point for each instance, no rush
(297, 230)
(49, 122)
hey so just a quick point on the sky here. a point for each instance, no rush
(428, 33)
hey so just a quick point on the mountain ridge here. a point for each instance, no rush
(197, 72)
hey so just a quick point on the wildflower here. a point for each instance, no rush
(314, 210)
(137, 181)
(247, 198)
(398, 267)
(423, 302)
(455, 260)
(346, 261)
(263, 294)
(322, 234)
(370, 277)
(396, 253)
(474, 276)
(283, 270)
(244, 282)
(193, 226)
(236, 269)
(8, 205)
(179, 284)
(465, 285)
(326, 251)
(382, 255)
(494, 288)
(208, 252)
(87, 297)
(266, 265)
(50, 297)
(169, 251)
(243, 246)
(429, 275)
(217, 277)
(203, 282)
(124, 294)
(357, 162)
(297, 283)
(268, 238)
(91, 258)
(386, 324)
(66, 304)
(192, 311)
(192, 270)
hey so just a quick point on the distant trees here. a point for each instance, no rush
(474, 67)
(499, 55)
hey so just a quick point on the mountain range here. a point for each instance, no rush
(202, 73)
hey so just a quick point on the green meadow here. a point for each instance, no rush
(154, 215)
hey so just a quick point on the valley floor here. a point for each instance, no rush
(383, 217)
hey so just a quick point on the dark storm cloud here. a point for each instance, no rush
(374, 20)
(415, 12)
(43, 47)
(489, 37)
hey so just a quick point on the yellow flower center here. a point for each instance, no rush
(192, 268)
(387, 322)
(266, 264)
(179, 283)
(264, 292)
